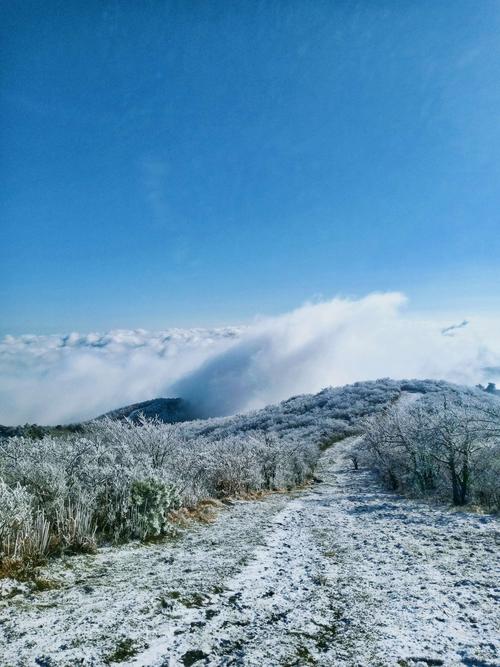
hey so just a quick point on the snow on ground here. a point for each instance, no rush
(341, 573)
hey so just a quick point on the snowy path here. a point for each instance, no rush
(339, 574)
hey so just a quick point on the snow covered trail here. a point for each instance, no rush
(341, 573)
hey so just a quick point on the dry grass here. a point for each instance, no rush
(14, 568)
(205, 511)
(27, 572)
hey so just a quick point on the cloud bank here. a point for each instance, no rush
(57, 379)
(60, 379)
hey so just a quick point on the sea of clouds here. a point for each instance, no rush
(59, 379)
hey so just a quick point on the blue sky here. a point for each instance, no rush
(195, 163)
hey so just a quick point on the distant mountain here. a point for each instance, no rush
(169, 410)
(36, 432)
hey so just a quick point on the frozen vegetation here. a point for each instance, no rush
(445, 445)
(339, 573)
(120, 480)
(336, 572)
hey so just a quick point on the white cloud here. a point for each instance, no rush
(338, 342)
(50, 379)
(57, 379)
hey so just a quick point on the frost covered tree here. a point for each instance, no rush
(439, 445)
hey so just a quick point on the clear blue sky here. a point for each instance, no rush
(195, 163)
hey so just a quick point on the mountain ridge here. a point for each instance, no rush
(168, 410)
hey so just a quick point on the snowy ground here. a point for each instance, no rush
(341, 573)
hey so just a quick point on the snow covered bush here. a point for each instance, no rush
(24, 534)
(485, 484)
(15, 514)
(75, 528)
(151, 500)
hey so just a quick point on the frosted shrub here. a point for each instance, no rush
(486, 482)
(75, 527)
(24, 534)
(151, 500)
(38, 465)
(272, 455)
(231, 467)
(15, 514)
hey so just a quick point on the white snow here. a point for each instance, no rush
(340, 573)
